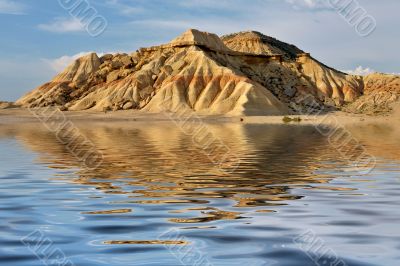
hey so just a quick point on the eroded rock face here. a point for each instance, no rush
(196, 37)
(381, 91)
(182, 78)
(79, 70)
(324, 82)
(241, 74)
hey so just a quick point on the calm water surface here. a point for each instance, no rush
(293, 200)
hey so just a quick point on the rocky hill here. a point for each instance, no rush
(246, 73)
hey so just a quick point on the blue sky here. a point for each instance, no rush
(39, 37)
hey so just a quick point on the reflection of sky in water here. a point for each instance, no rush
(153, 179)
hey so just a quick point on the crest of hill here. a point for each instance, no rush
(256, 42)
(200, 38)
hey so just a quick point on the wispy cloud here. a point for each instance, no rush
(62, 25)
(124, 9)
(11, 7)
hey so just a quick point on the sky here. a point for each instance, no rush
(41, 37)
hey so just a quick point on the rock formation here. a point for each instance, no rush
(257, 43)
(245, 73)
(380, 92)
(7, 105)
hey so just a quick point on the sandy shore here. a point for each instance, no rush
(21, 115)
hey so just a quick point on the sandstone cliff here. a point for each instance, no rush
(245, 73)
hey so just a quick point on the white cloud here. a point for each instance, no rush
(211, 4)
(61, 25)
(307, 3)
(360, 71)
(11, 7)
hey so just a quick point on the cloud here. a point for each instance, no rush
(310, 4)
(211, 4)
(123, 9)
(62, 25)
(360, 71)
(11, 7)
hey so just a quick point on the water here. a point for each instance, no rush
(158, 199)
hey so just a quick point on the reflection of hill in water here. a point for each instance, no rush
(165, 167)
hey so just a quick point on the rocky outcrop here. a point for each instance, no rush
(7, 105)
(327, 84)
(79, 70)
(78, 80)
(381, 91)
(241, 74)
(258, 43)
(198, 38)
(184, 78)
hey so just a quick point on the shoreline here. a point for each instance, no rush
(23, 115)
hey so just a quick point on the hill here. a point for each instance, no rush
(245, 73)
